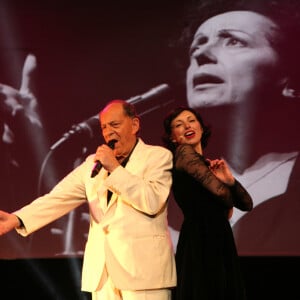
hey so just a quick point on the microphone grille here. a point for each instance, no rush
(111, 144)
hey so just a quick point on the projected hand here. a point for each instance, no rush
(13, 100)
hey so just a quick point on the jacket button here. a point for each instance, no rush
(105, 229)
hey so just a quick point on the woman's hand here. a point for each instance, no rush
(221, 170)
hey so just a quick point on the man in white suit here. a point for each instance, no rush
(128, 253)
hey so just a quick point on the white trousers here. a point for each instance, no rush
(107, 291)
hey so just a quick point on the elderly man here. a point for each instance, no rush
(129, 253)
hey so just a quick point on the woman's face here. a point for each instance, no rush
(186, 129)
(232, 60)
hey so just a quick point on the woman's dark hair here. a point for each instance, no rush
(166, 138)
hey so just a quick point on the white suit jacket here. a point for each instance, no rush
(131, 234)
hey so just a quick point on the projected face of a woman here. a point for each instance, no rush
(232, 59)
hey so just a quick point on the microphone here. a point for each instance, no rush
(87, 127)
(98, 165)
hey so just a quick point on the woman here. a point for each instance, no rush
(205, 190)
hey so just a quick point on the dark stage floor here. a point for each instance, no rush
(59, 279)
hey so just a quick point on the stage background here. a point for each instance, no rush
(87, 54)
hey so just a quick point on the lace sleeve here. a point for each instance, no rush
(189, 161)
(241, 198)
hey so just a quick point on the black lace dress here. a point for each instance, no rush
(206, 256)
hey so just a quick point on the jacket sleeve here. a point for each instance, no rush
(146, 181)
(68, 194)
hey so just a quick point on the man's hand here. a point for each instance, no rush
(107, 158)
(8, 222)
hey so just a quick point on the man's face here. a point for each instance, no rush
(232, 60)
(115, 124)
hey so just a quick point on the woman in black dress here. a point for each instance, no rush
(205, 190)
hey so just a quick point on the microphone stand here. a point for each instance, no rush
(86, 127)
